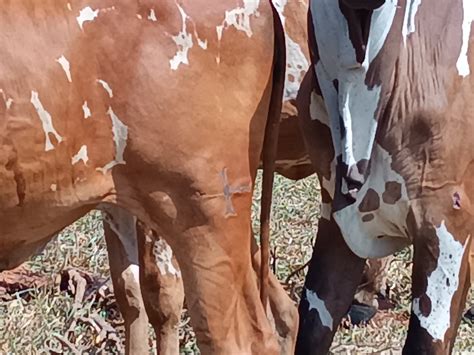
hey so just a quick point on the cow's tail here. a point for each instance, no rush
(270, 145)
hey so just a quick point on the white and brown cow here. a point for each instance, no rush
(395, 158)
(159, 108)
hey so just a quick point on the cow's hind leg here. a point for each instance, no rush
(209, 231)
(120, 236)
(333, 276)
(162, 289)
(440, 285)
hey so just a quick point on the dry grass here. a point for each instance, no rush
(46, 318)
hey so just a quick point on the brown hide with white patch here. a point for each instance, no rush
(175, 132)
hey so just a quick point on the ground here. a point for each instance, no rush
(63, 300)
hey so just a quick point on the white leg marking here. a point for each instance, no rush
(46, 121)
(442, 284)
(152, 16)
(468, 16)
(135, 271)
(86, 109)
(66, 67)
(411, 9)
(106, 87)
(318, 304)
(164, 258)
(81, 155)
(8, 101)
(120, 131)
(86, 14)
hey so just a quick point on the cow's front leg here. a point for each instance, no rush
(440, 284)
(333, 276)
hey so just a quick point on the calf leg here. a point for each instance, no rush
(162, 289)
(120, 236)
(333, 275)
(440, 286)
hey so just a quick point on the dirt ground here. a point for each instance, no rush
(62, 300)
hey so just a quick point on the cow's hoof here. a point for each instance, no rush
(361, 313)
(470, 314)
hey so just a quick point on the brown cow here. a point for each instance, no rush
(106, 103)
(394, 157)
(162, 288)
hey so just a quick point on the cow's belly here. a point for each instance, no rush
(375, 225)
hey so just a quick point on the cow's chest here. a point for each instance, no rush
(375, 225)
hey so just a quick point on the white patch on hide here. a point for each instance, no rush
(86, 14)
(442, 284)
(239, 18)
(411, 9)
(318, 304)
(389, 219)
(120, 132)
(135, 271)
(297, 63)
(81, 155)
(184, 42)
(66, 67)
(8, 100)
(46, 121)
(152, 16)
(355, 103)
(106, 87)
(54, 187)
(280, 7)
(164, 258)
(296, 68)
(468, 16)
(86, 109)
